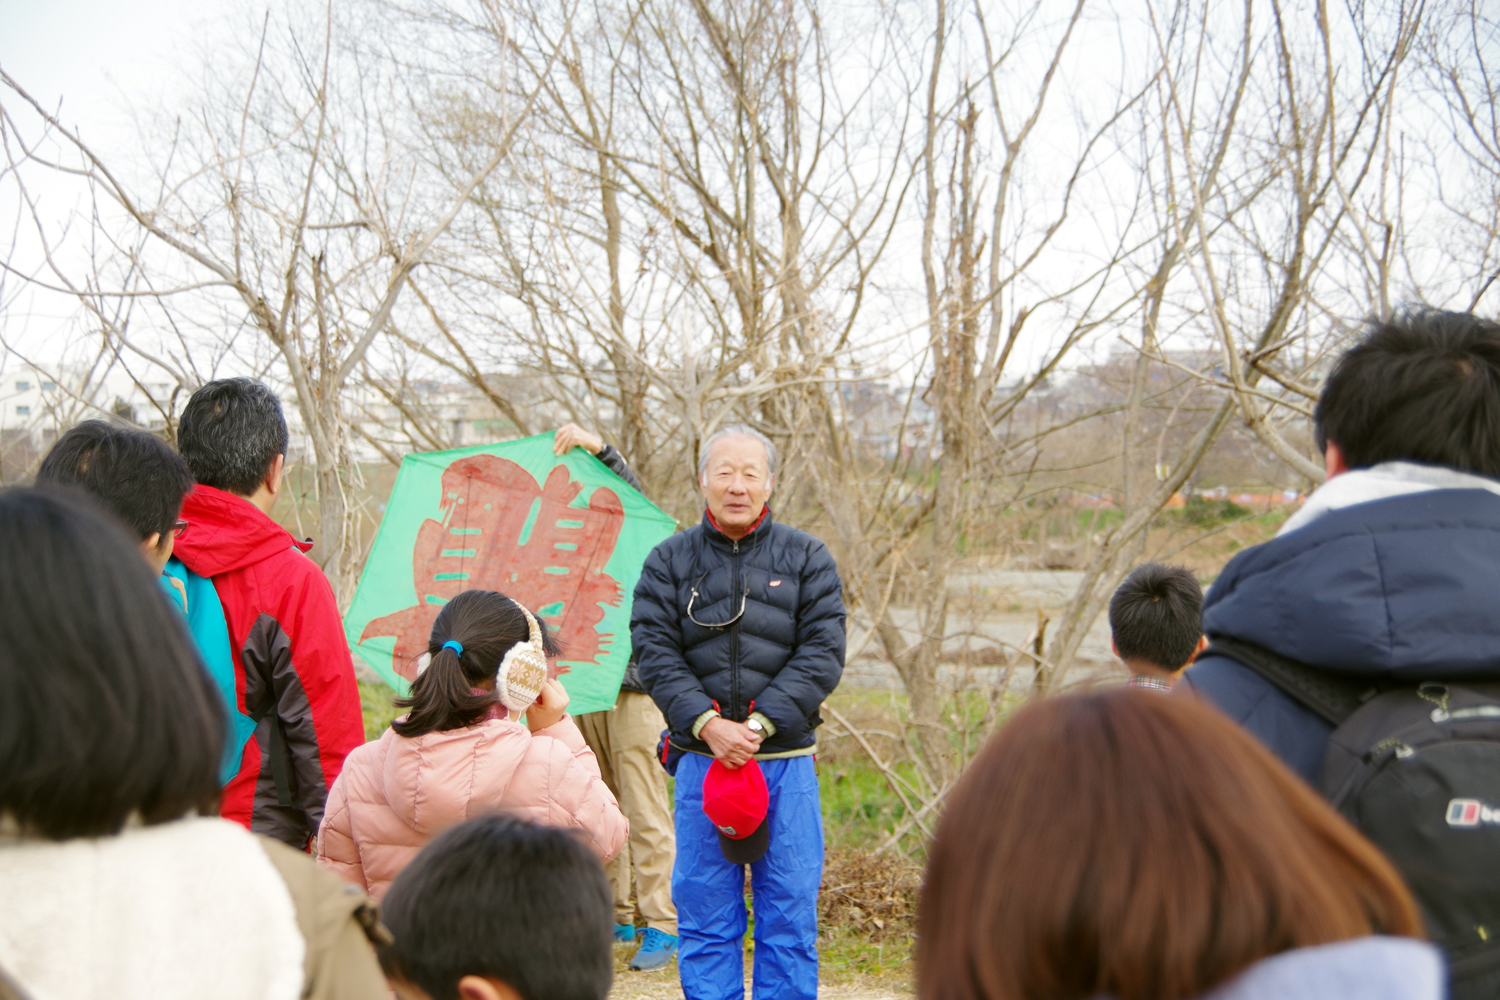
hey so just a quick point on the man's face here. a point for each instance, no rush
(736, 483)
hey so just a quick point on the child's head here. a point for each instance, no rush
(486, 624)
(500, 907)
(135, 475)
(107, 715)
(1156, 617)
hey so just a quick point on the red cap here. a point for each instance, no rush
(735, 802)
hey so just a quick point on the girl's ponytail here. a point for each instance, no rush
(471, 635)
(442, 697)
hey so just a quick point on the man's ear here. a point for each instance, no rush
(483, 988)
(1333, 460)
(274, 474)
(770, 484)
(1202, 645)
(1114, 647)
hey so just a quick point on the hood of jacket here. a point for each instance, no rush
(226, 533)
(1371, 968)
(1402, 587)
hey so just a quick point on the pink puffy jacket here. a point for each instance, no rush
(397, 793)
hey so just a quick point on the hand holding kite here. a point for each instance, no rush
(571, 435)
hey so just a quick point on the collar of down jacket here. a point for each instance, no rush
(187, 909)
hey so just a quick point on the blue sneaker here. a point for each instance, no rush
(625, 933)
(656, 951)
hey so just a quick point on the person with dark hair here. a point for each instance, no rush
(624, 742)
(460, 751)
(116, 877)
(1361, 645)
(1122, 845)
(135, 475)
(264, 612)
(499, 908)
(1156, 624)
(1391, 567)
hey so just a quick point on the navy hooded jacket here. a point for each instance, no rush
(1404, 589)
(785, 653)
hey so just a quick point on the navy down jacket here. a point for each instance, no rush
(785, 653)
(1405, 589)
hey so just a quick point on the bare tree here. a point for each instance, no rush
(309, 225)
(1290, 225)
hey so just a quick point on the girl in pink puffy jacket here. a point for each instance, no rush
(459, 752)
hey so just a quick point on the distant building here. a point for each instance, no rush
(38, 403)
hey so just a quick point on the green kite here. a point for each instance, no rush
(563, 535)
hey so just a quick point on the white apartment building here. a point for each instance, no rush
(40, 402)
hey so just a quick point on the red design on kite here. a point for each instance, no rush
(500, 531)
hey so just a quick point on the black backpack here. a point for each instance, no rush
(1416, 767)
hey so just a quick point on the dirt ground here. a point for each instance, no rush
(663, 985)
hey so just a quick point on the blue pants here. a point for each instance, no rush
(710, 892)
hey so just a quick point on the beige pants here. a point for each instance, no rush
(624, 740)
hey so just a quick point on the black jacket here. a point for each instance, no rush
(785, 654)
(1402, 589)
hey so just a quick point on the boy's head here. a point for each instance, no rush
(136, 476)
(234, 436)
(1156, 618)
(501, 908)
(1424, 387)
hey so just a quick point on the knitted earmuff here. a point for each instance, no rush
(523, 671)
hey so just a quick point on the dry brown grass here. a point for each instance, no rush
(875, 895)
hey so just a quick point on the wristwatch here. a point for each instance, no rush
(754, 726)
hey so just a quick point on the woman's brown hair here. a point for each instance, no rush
(1136, 846)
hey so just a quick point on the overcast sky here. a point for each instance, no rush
(96, 54)
(98, 58)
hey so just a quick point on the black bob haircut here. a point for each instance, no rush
(230, 433)
(1157, 616)
(107, 713)
(136, 476)
(505, 899)
(486, 624)
(1424, 387)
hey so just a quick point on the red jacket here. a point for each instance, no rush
(292, 666)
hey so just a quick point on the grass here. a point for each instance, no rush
(378, 702)
(849, 956)
(859, 808)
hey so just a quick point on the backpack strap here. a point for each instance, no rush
(1328, 696)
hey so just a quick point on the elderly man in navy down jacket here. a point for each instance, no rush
(738, 624)
(1392, 568)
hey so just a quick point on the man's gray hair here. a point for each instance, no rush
(736, 430)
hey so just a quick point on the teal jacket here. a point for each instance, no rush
(199, 602)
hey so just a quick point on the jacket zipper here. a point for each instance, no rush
(734, 640)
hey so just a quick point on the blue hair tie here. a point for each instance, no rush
(455, 645)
